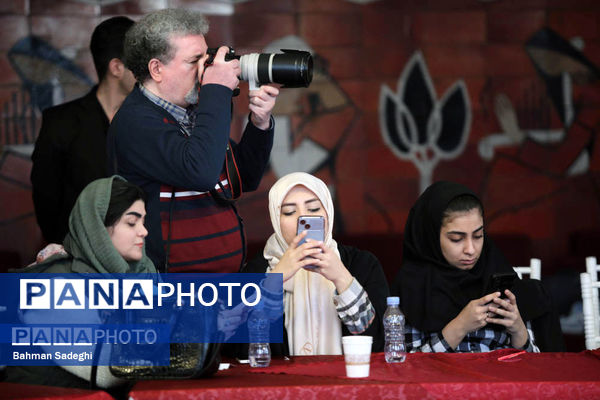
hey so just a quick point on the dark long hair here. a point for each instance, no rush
(462, 203)
(122, 195)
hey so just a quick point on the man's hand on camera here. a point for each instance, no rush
(261, 104)
(221, 72)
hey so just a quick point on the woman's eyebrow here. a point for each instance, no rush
(311, 200)
(456, 233)
(288, 204)
(463, 233)
(135, 214)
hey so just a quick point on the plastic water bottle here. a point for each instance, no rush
(259, 354)
(393, 324)
(259, 350)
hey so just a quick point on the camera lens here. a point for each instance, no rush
(307, 226)
(302, 222)
(292, 68)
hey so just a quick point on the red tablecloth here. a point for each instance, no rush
(530, 376)
(39, 392)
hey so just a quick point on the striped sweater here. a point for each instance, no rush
(148, 146)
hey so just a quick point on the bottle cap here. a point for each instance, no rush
(393, 301)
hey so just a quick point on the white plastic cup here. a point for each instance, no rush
(357, 354)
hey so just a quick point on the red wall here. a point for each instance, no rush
(525, 186)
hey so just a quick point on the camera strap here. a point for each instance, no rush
(233, 174)
(233, 179)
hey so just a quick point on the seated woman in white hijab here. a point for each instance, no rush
(343, 293)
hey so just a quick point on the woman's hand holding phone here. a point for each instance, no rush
(475, 315)
(329, 265)
(507, 315)
(472, 317)
(296, 256)
(499, 283)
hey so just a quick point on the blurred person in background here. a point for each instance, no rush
(70, 150)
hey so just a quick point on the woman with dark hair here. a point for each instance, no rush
(443, 283)
(106, 235)
(106, 232)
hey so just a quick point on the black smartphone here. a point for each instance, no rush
(501, 282)
(314, 225)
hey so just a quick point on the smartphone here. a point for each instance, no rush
(314, 225)
(501, 282)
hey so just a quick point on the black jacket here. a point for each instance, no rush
(69, 153)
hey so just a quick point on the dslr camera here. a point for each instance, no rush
(292, 68)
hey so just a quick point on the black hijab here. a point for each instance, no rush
(433, 292)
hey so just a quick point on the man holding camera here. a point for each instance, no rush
(171, 137)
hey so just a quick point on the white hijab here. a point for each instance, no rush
(311, 320)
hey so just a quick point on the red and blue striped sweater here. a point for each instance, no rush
(148, 147)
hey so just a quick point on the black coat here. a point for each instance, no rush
(69, 153)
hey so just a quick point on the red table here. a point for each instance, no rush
(39, 392)
(436, 376)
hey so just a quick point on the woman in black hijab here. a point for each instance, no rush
(443, 283)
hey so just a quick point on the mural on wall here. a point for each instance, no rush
(418, 127)
(549, 136)
(293, 149)
(311, 126)
(557, 62)
(46, 78)
(101, 2)
(536, 125)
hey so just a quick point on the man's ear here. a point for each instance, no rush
(116, 68)
(155, 69)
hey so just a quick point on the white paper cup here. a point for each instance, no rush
(357, 354)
